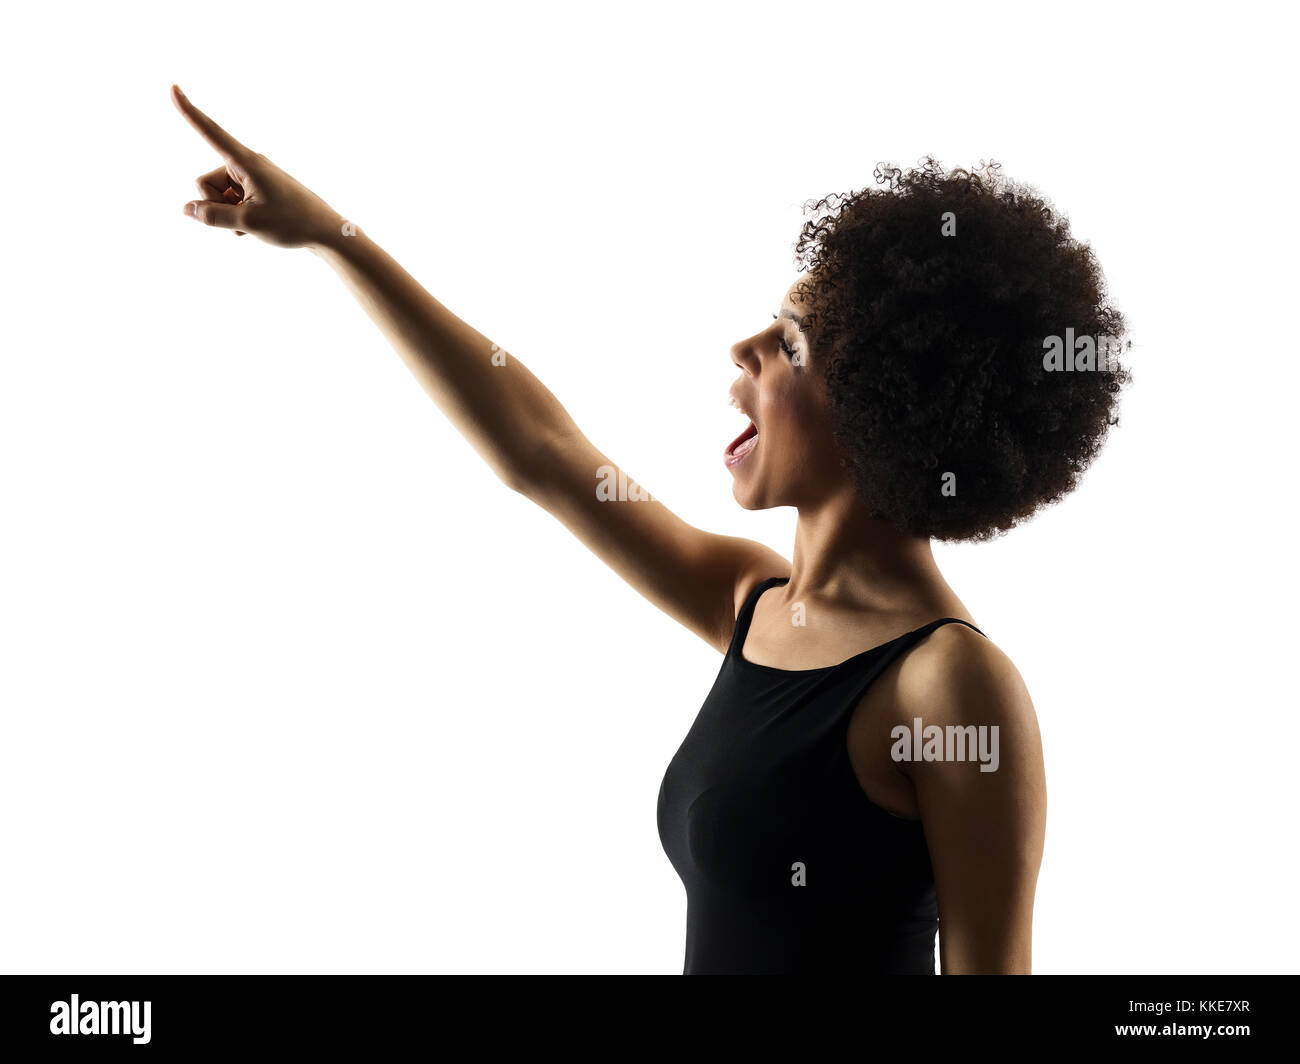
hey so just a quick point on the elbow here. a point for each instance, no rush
(517, 483)
(533, 470)
(520, 475)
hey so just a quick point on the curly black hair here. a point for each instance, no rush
(935, 300)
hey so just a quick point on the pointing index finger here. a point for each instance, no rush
(227, 145)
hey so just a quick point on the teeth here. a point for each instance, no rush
(731, 401)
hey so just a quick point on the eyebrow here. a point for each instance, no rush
(801, 322)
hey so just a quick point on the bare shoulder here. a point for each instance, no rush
(957, 676)
(764, 566)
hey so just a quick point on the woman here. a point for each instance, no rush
(929, 377)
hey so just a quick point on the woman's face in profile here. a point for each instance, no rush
(788, 457)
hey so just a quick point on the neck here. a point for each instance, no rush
(842, 553)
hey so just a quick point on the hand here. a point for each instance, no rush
(250, 194)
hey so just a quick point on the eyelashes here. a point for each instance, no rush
(785, 346)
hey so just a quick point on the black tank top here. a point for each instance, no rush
(788, 866)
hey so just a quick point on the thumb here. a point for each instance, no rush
(218, 215)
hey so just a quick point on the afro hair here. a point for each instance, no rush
(947, 306)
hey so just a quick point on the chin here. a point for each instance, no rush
(750, 498)
(743, 497)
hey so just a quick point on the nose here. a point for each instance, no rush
(744, 356)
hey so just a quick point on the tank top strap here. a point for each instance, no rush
(875, 664)
(746, 613)
(926, 629)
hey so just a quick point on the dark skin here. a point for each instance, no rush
(859, 582)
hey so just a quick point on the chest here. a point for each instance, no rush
(797, 636)
(764, 783)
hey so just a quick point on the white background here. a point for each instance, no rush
(289, 682)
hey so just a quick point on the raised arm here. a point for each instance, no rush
(508, 416)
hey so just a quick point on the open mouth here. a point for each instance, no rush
(741, 445)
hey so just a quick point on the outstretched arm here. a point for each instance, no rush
(518, 426)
